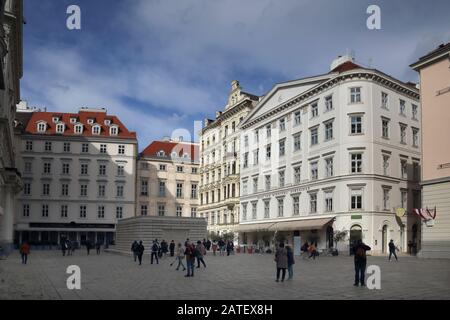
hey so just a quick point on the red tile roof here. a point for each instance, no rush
(346, 66)
(181, 148)
(81, 118)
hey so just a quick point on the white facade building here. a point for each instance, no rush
(340, 151)
(78, 172)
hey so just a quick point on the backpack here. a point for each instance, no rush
(155, 247)
(195, 253)
(360, 252)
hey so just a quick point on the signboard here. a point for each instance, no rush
(297, 246)
(400, 212)
(356, 217)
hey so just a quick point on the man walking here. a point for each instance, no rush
(281, 259)
(172, 248)
(180, 257)
(155, 251)
(134, 249)
(139, 251)
(190, 259)
(360, 262)
(201, 251)
(392, 248)
(24, 252)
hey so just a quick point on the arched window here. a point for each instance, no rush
(96, 129)
(113, 131)
(79, 129)
(60, 128)
(161, 153)
(41, 127)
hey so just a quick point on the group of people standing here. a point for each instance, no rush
(223, 246)
(68, 247)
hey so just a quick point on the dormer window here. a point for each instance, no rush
(96, 129)
(55, 119)
(174, 155)
(73, 120)
(107, 122)
(41, 127)
(113, 131)
(90, 121)
(185, 156)
(60, 128)
(161, 153)
(79, 129)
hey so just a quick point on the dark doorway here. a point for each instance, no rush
(330, 233)
(355, 235)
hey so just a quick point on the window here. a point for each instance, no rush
(328, 201)
(27, 189)
(194, 213)
(144, 210)
(119, 212)
(28, 167)
(179, 169)
(119, 192)
(402, 107)
(282, 124)
(403, 133)
(84, 148)
(314, 110)
(297, 118)
(41, 127)
(103, 148)
(66, 147)
(256, 136)
(281, 178)
(329, 167)
(96, 130)
(329, 103)
(244, 187)
(83, 190)
(266, 209)
(60, 128)
(102, 170)
(255, 185)
(356, 199)
(162, 188)
(79, 129)
(268, 152)
(415, 134)
(313, 202)
(385, 127)
(179, 211)
(162, 167)
(55, 119)
(101, 190)
(113, 131)
(29, 145)
(47, 168)
(384, 100)
(282, 147)
(416, 171)
(256, 157)
(194, 170)
(120, 170)
(297, 142)
(83, 211)
(404, 199)
(64, 210)
(386, 165)
(314, 170)
(356, 124)
(65, 189)
(245, 164)
(254, 212)
(355, 95)
(84, 168)
(314, 136)
(356, 162)
(45, 210)
(48, 146)
(66, 168)
(26, 210)
(329, 131)
(280, 207)
(297, 174)
(385, 199)
(246, 141)
(101, 212)
(46, 189)
(244, 211)
(194, 191)
(121, 149)
(267, 182)
(179, 190)
(296, 205)
(414, 111)
(161, 210)
(144, 187)
(268, 131)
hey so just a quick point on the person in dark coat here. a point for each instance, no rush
(208, 244)
(281, 259)
(172, 248)
(291, 262)
(134, 249)
(392, 248)
(230, 247)
(24, 252)
(88, 246)
(190, 259)
(63, 246)
(98, 246)
(360, 262)
(140, 251)
(155, 251)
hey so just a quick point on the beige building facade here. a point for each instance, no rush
(434, 70)
(220, 162)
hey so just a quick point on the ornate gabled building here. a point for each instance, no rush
(220, 163)
(11, 66)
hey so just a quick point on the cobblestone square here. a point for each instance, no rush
(240, 276)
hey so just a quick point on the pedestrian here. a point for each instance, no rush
(208, 245)
(221, 247)
(392, 248)
(98, 246)
(201, 253)
(305, 250)
(230, 247)
(190, 259)
(134, 246)
(360, 262)
(291, 262)
(140, 251)
(172, 248)
(186, 242)
(282, 261)
(155, 251)
(24, 252)
(69, 247)
(214, 247)
(164, 248)
(88, 246)
(180, 257)
(313, 251)
(63, 247)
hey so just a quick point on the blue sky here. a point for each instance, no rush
(160, 65)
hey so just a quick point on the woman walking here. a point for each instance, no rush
(291, 262)
(180, 257)
(282, 261)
